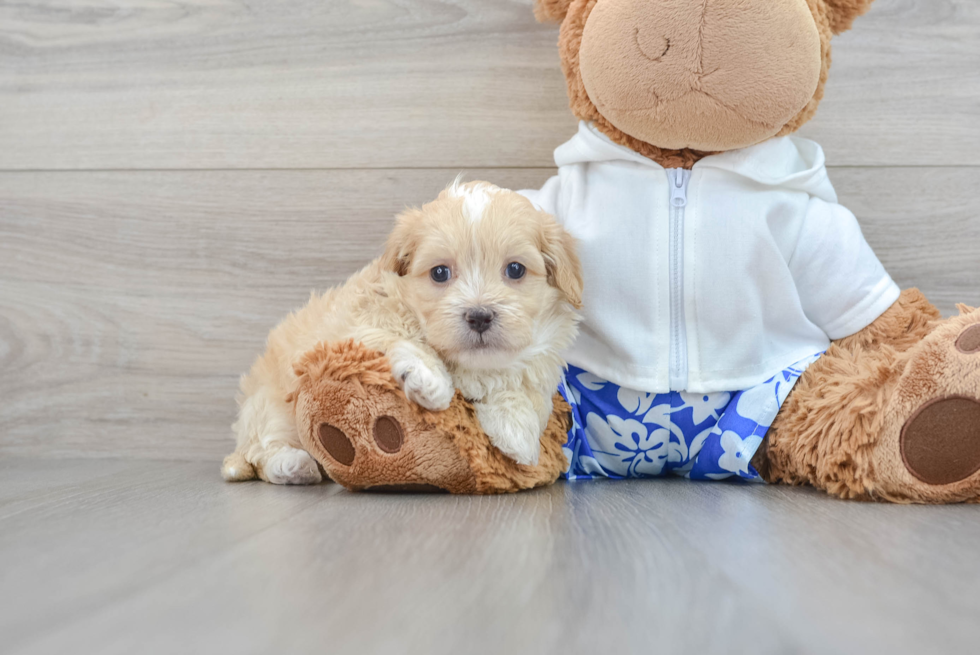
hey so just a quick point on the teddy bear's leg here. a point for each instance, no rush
(891, 413)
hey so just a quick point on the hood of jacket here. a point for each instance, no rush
(790, 162)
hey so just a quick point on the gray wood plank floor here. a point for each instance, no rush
(104, 556)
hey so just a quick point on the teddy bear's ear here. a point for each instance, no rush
(551, 11)
(843, 12)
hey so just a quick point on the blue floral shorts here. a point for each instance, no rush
(621, 433)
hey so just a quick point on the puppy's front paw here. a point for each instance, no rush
(291, 466)
(426, 384)
(514, 430)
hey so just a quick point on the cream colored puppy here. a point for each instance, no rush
(475, 291)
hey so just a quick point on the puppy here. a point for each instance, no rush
(476, 290)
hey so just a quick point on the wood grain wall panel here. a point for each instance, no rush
(199, 84)
(131, 301)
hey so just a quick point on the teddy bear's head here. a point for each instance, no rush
(681, 78)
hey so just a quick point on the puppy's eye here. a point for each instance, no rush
(440, 274)
(515, 271)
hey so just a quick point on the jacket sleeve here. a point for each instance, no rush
(545, 198)
(842, 285)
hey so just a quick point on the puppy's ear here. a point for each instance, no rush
(561, 261)
(551, 11)
(402, 243)
(842, 13)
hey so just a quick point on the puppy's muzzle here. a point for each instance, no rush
(479, 319)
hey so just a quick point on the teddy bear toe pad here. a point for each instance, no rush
(335, 442)
(968, 342)
(388, 434)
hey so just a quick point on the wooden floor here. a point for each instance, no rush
(175, 176)
(103, 556)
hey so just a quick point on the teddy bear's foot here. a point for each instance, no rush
(930, 446)
(355, 421)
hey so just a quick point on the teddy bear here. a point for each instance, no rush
(736, 322)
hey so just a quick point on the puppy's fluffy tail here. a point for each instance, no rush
(236, 468)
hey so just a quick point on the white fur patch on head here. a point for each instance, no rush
(476, 196)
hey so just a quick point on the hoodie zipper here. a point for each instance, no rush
(679, 179)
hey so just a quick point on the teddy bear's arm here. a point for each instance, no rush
(842, 285)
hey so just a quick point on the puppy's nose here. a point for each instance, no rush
(479, 319)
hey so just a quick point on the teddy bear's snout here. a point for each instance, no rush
(672, 72)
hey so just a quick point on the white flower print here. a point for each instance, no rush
(698, 443)
(591, 382)
(625, 447)
(634, 402)
(636, 434)
(760, 403)
(659, 415)
(705, 405)
(738, 452)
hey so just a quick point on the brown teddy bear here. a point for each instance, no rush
(890, 407)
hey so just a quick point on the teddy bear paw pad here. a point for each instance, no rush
(930, 446)
(941, 442)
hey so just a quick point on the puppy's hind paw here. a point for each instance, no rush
(236, 468)
(513, 430)
(292, 466)
(427, 385)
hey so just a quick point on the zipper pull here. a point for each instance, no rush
(679, 179)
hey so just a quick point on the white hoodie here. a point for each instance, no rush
(714, 279)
